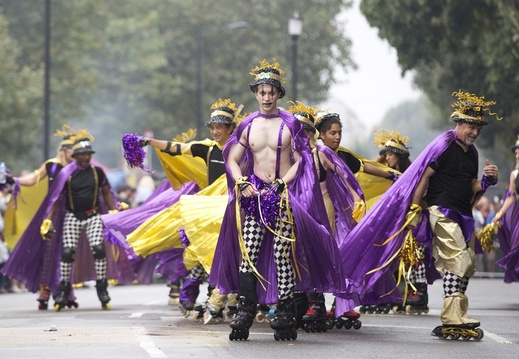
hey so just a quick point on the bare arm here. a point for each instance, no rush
(108, 196)
(32, 178)
(509, 200)
(375, 171)
(420, 189)
(328, 165)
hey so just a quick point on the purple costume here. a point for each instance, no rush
(508, 235)
(385, 219)
(26, 262)
(315, 251)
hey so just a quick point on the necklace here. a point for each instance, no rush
(269, 115)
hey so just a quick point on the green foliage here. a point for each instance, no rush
(464, 44)
(126, 66)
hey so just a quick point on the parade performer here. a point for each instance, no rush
(35, 186)
(508, 219)
(445, 176)
(344, 203)
(272, 178)
(160, 231)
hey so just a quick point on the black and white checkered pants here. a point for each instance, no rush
(197, 272)
(72, 228)
(418, 270)
(253, 235)
(453, 283)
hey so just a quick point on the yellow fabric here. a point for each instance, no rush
(160, 231)
(185, 168)
(449, 247)
(372, 186)
(17, 219)
(202, 219)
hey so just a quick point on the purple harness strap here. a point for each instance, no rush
(278, 153)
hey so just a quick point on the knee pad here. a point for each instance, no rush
(68, 254)
(99, 251)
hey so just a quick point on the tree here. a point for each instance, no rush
(465, 44)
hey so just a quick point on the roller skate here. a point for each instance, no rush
(186, 307)
(314, 319)
(198, 312)
(102, 293)
(331, 321)
(174, 293)
(375, 309)
(349, 319)
(456, 323)
(263, 313)
(416, 303)
(243, 321)
(232, 306)
(455, 332)
(62, 298)
(214, 307)
(301, 304)
(283, 321)
(43, 298)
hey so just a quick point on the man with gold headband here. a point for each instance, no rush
(272, 180)
(442, 181)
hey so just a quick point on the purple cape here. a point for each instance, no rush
(35, 261)
(508, 235)
(315, 249)
(119, 225)
(362, 251)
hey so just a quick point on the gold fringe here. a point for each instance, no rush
(486, 236)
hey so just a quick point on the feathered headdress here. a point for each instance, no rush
(391, 141)
(471, 108)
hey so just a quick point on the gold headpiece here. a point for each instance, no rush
(267, 73)
(66, 133)
(225, 112)
(391, 141)
(303, 113)
(321, 115)
(471, 108)
(82, 142)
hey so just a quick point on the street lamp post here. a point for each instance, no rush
(198, 63)
(46, 88)
(295, 29)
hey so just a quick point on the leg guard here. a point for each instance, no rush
(454, 311)
(68, 254)
(99, 251)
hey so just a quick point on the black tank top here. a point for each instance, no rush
(517, 182)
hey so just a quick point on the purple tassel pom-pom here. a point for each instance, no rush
(133, 152)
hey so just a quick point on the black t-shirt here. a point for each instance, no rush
(216, 165)
(52, 169)
(81, 187)
(351, 161)
(451, 184)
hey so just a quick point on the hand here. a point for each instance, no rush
(47, 229)
(112, 211)
(393, 176)
(9, 179)
(278, 186)
(144, 141)
(413, 216)
(246, 188)
(491, 172)
(497, 217)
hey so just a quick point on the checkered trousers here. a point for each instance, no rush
(453, 283)
(72, 228)
(253, 234)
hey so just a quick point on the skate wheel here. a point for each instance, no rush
(277, 336)
(348, 324)
(362, 309)
(408, 309)
(293, 335)
(455, 336)
(260, 318)
(357, 324)
(43, 306)
(306, 327)
(480, 332)
(187, 313)
(330, 323)
(57, 307)
(106, 306)
(339, 324)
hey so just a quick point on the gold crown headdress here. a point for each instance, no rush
(305, 114)
(321, 115)
(471, 108)
(82, 142)
(391, 141)
(66, 133)
(225, 111)
(267, 73)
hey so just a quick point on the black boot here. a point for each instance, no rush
(284, 321)
(301, 306)
(247, 306)
(102, 293)
(61, 298)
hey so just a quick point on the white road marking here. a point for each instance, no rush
(136, 315)
(147, 344)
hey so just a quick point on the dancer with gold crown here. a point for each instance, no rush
(272, 179)
(345, 206)
(445, 177)
(161, 231)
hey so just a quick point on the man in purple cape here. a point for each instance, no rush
(27, 264)
(447, 169)
(286, 241)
